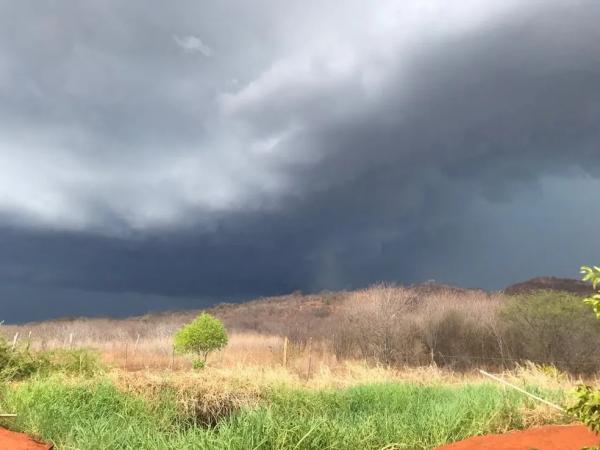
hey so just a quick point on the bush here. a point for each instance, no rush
(204, 335)
(80, 361)
(198, 364)
(587, 406)
(553, 328)
(18, 363)
(375, 326)
(398, 326)
(592, 274)
(459, 341)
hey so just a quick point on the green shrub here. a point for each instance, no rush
(204, 335)
(592, 274)
(79, 361)
(587, 405)
(19, 362)
(553, 328)
(199, 364)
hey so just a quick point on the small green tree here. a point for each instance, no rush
(587, 405)
(204, 335)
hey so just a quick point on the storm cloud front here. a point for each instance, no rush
(166, 156)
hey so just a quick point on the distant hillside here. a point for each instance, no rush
(549, 283)
(293, 315)
(298, 313)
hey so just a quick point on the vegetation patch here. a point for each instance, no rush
(554, 327)
(19, 361)
(200, 400)
(89, 414)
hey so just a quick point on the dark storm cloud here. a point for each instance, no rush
(215, 150)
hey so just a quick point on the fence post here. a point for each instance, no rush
(309, 357)
(285, 348)
(15, 339)
(126, 346)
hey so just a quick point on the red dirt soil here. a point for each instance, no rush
(19, 441)
(559, 437)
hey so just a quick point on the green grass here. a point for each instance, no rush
(93, 414)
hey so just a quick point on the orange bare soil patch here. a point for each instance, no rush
(558, 437)
(19, 441)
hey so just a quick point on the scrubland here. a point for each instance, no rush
(388, 325)
(385, 367)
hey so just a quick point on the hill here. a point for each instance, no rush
(550, 283)
(296, 315)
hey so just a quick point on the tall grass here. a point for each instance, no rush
(95, 414)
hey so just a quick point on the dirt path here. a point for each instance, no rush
(559, 437)
(18, 441)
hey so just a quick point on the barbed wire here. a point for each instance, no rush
(576, 363)
(582, 364)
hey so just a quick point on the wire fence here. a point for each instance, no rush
(574, 364)
(124, 353)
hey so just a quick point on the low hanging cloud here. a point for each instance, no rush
(322, 146)
(193, 44)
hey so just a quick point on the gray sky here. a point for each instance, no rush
(167, 155)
